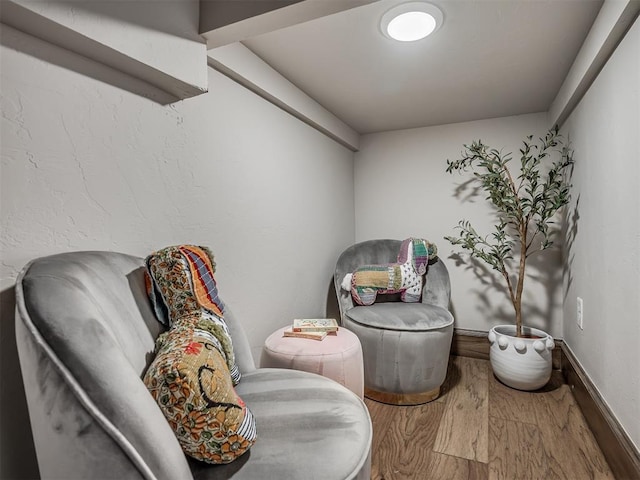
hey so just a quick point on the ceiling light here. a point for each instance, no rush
(411, 21)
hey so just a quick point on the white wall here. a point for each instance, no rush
(403, 190)
(87, 165)
(604, 233)
(242, 65)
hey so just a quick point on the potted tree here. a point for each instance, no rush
(526, 204)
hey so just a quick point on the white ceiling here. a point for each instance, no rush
(491, 58)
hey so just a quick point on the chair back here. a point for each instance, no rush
(86, 332)
(436, 289)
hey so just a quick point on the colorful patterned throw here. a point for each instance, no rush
(194, 371)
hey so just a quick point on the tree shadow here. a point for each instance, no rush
(490, 281)
(571, 219)
(468, 191)
(541, 269)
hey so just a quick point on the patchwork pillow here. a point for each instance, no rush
(404, 277)
(194, 372)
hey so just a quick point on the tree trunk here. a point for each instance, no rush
(523, 263)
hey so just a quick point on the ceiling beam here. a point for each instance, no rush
(610, 26)
(223, 22)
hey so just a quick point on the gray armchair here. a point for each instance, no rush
(85, 334)
(405, 345)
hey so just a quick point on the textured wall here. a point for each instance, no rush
(603, 238)
(88, 165)
(402, 190)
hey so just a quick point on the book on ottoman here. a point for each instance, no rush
(312, 335)
(328, 325)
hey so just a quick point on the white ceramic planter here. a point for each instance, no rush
(522, 363)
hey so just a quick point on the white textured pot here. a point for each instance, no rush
(522, 363)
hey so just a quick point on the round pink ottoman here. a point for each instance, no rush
(338, 357)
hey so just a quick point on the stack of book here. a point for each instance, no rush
(313, 328)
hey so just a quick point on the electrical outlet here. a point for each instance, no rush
(579, 312)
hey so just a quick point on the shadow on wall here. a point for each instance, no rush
(332, 309)
(17, 453)
(489, 281)
(569, 234)
(34, 47)
(542, 269)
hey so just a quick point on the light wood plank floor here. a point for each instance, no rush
(479, 429)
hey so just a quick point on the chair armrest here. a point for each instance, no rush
(437, 289)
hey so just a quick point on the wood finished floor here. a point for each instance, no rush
(479, 429)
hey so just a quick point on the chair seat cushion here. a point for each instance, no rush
(413, 317)
(309, 427)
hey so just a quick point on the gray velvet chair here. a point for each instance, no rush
(85, 334)
(405, 345)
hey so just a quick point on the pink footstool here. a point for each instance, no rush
(338, 357)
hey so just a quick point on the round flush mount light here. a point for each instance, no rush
(411, 21)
